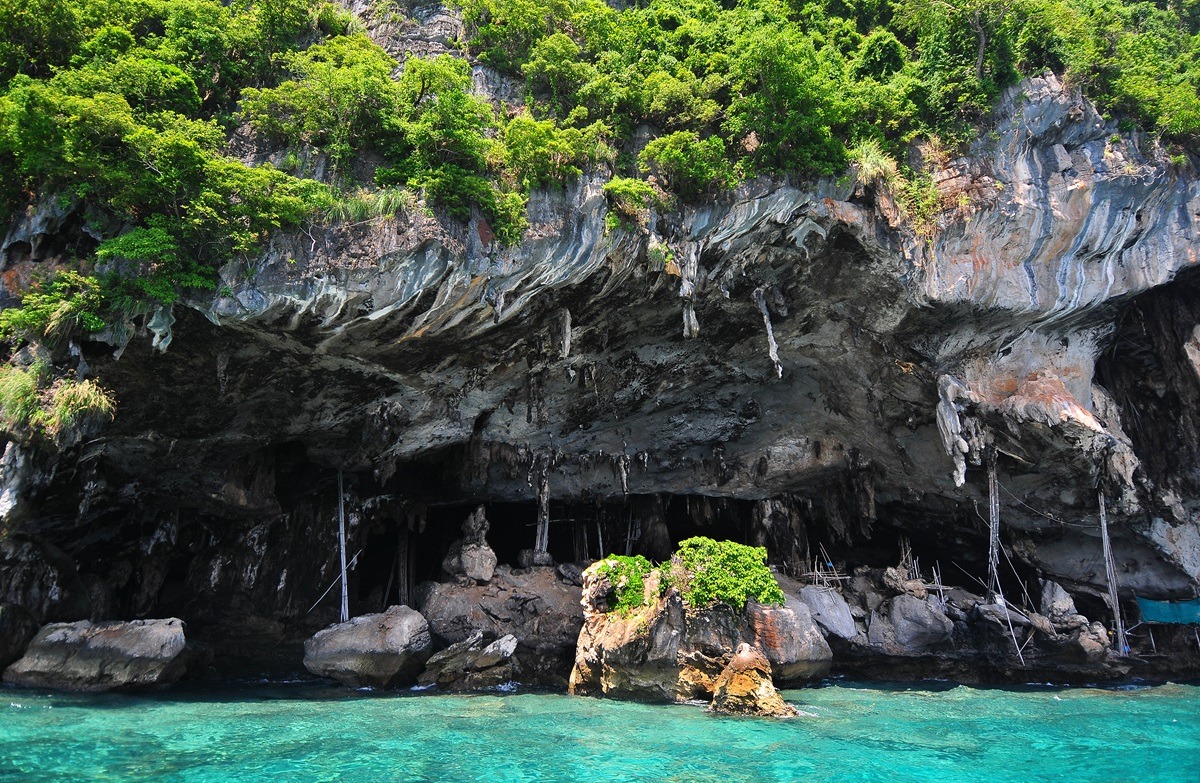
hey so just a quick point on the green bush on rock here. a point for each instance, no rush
(628, 578)
(703, 571)
(707, 572)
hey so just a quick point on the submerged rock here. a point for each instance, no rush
(384, 650)
(86, 656)
(745, 687)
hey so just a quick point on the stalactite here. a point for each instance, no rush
(565, 320)
(772, 346)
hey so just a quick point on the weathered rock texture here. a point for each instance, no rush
(745, 687)
(664, 651)
(85, 656)
(789, 364)
(536, 607)
(17, 628)
(384, 650)
(475, 663)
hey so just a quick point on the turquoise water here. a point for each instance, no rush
(855, 733)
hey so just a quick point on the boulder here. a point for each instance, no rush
(907, 625)
(745, 687)
(470, 559)
(384, 650)
(537, 607)
(472, 562)
(17, 627)
(105, 656)
(1059, 607)
(830, 610)
(789, 638)
(472, 664)
(665, 652)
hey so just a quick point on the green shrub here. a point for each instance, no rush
(689, 165)
(707, 572)
(631, 201)
(55, 309)
(30, 402)
(20, 396)
(875, 167)
(628, 578)
(68, 403)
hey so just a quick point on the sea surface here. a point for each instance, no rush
(852, 732)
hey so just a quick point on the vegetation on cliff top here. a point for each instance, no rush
(126, 109)
(703, 571)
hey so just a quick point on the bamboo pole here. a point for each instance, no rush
(342, 547)
(997, 594)
(1110, 568)
(993, 531)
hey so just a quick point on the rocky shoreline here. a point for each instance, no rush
(556, 626)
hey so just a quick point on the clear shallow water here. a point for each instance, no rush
(858, 733)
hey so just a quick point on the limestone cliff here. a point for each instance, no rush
(790, 364)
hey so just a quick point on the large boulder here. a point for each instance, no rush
(385, 650)
(17, 627)
(745, 687)
(663, 651)
(105, 656)
(539, 607)
(907, 625)
(470, 562)
(830, 610)
(789, 638)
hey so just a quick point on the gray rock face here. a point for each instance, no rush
(384, 650)
(42, 579)
(907, 625)
(537, 607)
(86, 656)
(830, 610)
(472, 664)
(17, 627)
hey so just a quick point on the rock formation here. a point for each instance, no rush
(665, 652)
(1044, 322)
(372, 651)
(473, 664)
(745, 687)
(107, 656)
(470, 558)
(17, 628)
(537, 607)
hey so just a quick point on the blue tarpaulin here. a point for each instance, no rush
(1173, 612)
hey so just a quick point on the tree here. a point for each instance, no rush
(985, 18)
